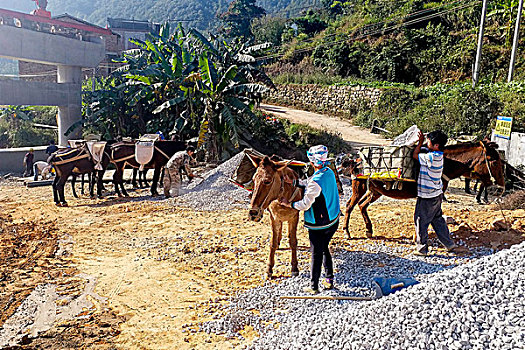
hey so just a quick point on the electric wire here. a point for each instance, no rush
(379, 31)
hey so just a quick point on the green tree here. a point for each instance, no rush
(238, 19)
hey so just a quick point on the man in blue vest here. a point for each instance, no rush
(322, 210)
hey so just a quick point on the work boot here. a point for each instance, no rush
(420, 252)
(456, 249)
(310, 290)
(328, 283)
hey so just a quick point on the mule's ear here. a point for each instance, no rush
(255, 160)
(279, 166)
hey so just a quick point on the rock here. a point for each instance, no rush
(449, 220)
(500, 225)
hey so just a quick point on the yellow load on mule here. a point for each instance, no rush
(387, 163)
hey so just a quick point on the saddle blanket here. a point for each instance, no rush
(96, 149)
(144, 152)
(76, 143)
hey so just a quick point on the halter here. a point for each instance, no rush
(492, 178)
(294, 193)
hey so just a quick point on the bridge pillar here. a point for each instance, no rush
(72, 112)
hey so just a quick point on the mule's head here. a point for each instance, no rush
(349, 166)
(492, 167)
(267, 185)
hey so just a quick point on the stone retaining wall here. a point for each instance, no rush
(336, 99)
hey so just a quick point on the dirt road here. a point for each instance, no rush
(355, 135)
(161, 270)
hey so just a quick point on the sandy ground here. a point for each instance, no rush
(355, 135)
(163, 270)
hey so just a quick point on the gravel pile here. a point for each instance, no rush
(215, 192)
(462, 303)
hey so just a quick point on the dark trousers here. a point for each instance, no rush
(319, 241)
(29, 169)
(428, 211)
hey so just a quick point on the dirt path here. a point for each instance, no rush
(163, 270)
(355, 135)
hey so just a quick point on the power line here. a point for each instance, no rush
(379, 31)
(375, 24)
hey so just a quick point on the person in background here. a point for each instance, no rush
(42, 168)
(430, 194)
(52, 148)
(28, 163)
(322, 210)
(180, 161)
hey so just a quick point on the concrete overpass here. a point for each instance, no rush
(37, 39)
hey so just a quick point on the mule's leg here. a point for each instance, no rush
(121, 181)
(358, 191)
(55, 190)
(116, 182)
(363, 205)
(82, 184)
(100, 184)
(467, 186)
(162, 174)
(91, 179)
(482, 191)
(155, 181)
(134, 178)
(73, 182)
(144, 177)
(60, 188)
(277, 227)
(292, 239)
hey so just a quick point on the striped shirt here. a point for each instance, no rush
(429, 183)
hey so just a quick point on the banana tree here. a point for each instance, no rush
(228, 102)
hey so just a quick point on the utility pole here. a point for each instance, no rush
(515, 43)
(475, 74)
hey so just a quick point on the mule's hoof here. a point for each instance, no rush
(268, 276)
(369, 235)
(295, 273)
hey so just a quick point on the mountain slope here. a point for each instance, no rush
(192, 13)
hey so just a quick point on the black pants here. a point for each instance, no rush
(319, 241)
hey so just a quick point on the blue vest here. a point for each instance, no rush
(325, 210)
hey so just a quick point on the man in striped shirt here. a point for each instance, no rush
(430, 193)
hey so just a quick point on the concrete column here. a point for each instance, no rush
(72, 113)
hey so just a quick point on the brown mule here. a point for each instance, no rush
(123, 153)
(478, 159)
(269, 188)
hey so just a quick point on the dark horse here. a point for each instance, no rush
(123, 153)
(479, 160)
(75, 161)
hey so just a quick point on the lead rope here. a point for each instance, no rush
(492, 177)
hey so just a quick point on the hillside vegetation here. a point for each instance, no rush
(420, 52)
(194, 13)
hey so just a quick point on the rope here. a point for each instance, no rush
(123, 159)
(65, 161)
(164, 154)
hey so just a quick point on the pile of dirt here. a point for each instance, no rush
(25, 261)
(514, 201)
(31, 259)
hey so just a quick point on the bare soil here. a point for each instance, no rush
(165, 269)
